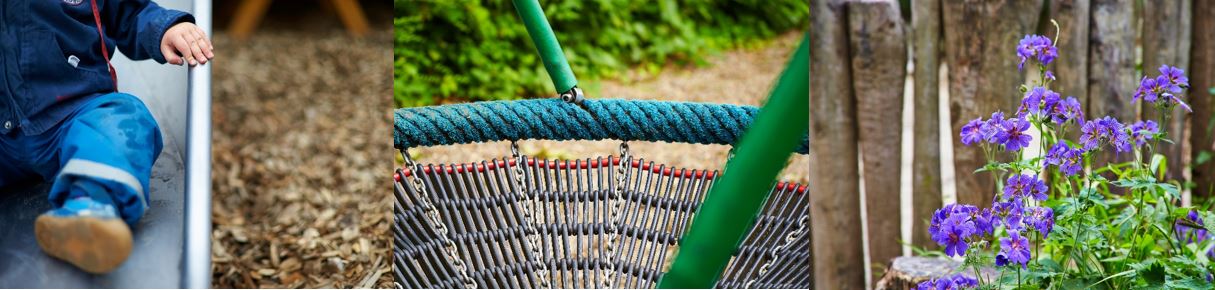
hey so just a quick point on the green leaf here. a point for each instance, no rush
(1203, 157)
(1152, 272)
(1119, 274)
(1191, 283)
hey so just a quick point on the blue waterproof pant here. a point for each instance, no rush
(104, 150)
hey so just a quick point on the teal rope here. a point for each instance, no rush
(596, 119)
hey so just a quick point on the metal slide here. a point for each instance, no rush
(172, 242)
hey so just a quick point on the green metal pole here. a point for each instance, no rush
(546, 43)
(729, 209)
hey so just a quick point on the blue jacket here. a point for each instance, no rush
(51, 59)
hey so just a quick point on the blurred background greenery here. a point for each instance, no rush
(453, 51)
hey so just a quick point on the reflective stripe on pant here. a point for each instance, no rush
(111, 141)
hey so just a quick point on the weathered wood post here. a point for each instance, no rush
(835, 220)
(1164, 40)
(878, 50)
(1202, 78)
(1071, 67)
(926, 163)
(980, 48)
(1111, 80)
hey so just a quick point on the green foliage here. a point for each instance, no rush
(1115, 225)
(481, 51)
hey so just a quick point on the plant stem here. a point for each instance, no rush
(978, 275)
(1018, 278)
(1038, 240)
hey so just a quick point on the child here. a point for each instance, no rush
(63, 120)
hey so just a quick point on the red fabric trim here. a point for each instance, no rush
(104, 50)
(579, 164)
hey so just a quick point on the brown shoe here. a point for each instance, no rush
(96, 243)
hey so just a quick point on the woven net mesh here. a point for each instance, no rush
(550, 224)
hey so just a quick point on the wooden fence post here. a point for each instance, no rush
(1112, 63)
(1071, 67)
(1163, 42)
(980, 43)
(879, 68)
(1202, 78)
(835, 205)
(926, 162)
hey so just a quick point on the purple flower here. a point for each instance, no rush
(1036, 45)
(1148, 90)
(1166, 86)
(992, 128)
(1004, 209)
(1015, 221)
(1050, 76)
(1065, 157)
(1001, 260)
(1038, 101)
(1013, 135)
(1177, 81)
(952, 224)
(939, 217)
(958, 281)
(1025, 185)
(1102, 131)
(952, 234)
(1067, 110)
(985, 222)
(1187, 233)
(1015, 248)
(1042, 219)
(1142, 131)
(1181, 103)
(972, 132)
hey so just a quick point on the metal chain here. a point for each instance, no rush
(529, 215)
(615, 204)
(789, 240)
(440, 228)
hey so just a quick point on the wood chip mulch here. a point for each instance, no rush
(300, 131)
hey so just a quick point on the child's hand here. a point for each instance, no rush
(186, 43)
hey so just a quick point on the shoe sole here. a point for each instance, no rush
(91, 244)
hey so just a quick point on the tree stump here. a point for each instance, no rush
(906, 272)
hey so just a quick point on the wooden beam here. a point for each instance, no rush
(1112, 53)
(1202, 79)
(1163, 42)
(352, 16)
(1071, 67)
(926, 162)
(980, 37)
(248, 15)
(878, 51)
(835, 218)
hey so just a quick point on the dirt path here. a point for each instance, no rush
(742, 76)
